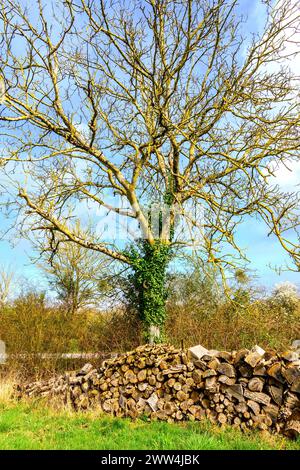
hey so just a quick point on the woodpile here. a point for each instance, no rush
(245, 389)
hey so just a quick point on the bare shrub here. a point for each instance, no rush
(29, 325)
(257, 323)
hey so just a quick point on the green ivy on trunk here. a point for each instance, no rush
(148, 279)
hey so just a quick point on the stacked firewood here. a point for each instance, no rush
(245, 389)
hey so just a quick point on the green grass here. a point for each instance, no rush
(33, 426)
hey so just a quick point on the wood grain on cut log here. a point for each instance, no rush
(211, 384)
(141, 376)
(272, 411)
(241, 407)
(296, 385)
(200, 364)
(260, 370)
(190, 382)
(213, 364)
(256, 384)
(253, 358)
(226, 369)
(224, 379)
(235, 391)
(177, 386)
(240, 356)
(181, 396)
(152, 380)
(254, 406)
(291, 373)
(197, 376)
(276, 394)
(258, 397)
(245, 370)
(209, 373)
(291, 400)
(237, 421)
(275, 372)
(142, 386)
(292, 427)
(222, 418)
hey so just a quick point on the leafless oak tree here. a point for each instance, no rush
(149, 101)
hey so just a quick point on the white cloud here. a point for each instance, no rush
(287, 176)
(84, 130)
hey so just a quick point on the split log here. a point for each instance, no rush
(272, 411)
(254, 406)
(292, 427)
(240, 355)
(213, 364)
(276, 394)
(222, 418)
(224, 379)
(226, 369)
(290, 356)
(296, 385)
(275, 372)
(197, 352)
(253, 358)
(245, 371)
(291, 373)
(209, 373)
(260, 370)
(235, 391)
(258, 397)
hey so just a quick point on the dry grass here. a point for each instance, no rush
(7, 384)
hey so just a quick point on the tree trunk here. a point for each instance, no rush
(154, 334)
(149, 281)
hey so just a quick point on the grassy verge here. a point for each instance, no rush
(33, 426)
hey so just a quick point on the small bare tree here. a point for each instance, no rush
(79, 276)
(152, 101)
(6, 281)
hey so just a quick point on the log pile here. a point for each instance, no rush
(245, 389)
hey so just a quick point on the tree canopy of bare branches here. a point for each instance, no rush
(150, 101)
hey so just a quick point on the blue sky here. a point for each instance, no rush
(252, 235)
